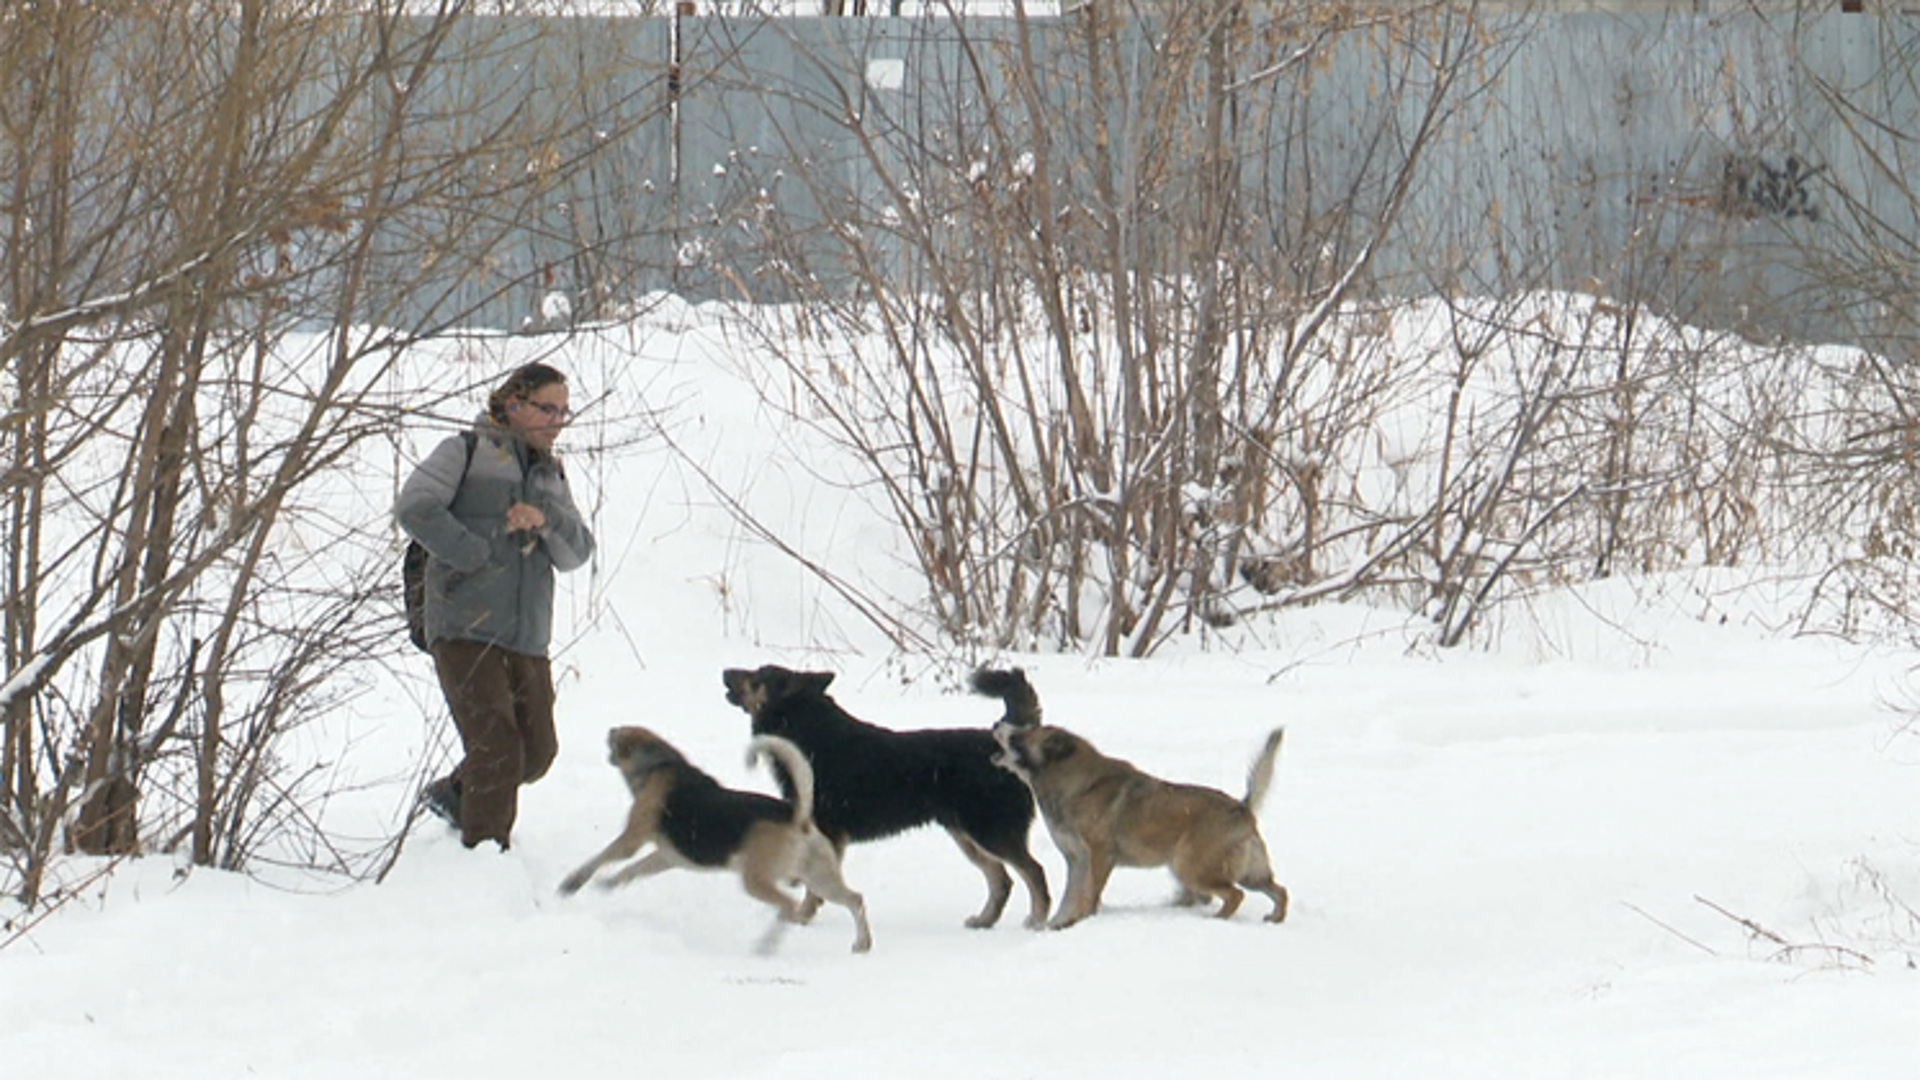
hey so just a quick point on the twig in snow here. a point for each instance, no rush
(1788, 949)
(1753, 928)
(1637, 911)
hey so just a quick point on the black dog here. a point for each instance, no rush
(871, 783)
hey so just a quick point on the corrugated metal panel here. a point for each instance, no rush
(1603, 154)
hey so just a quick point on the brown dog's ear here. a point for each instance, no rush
(640, 746)
(1055, 745)
(630, 741)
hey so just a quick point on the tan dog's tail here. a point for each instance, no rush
(798, 769)
(1011, 687)
(1260, 777)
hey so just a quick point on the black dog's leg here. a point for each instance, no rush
(1040, 901)
(1007, 846)
(999, 882)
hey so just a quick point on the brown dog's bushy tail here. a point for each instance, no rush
(798, 770)
(1260, 777)
(1011, 687)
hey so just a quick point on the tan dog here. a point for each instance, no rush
(1104, 812)
(694, 822)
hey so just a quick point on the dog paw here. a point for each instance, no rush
(572, 884)
(1064, 916)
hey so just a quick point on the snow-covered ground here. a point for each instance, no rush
(1569, 857)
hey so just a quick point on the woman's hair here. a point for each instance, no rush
(521, 383)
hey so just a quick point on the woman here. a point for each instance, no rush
(494, 512)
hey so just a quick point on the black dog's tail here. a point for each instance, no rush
(1023, 705)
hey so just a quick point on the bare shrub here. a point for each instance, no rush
(1115, 228)
(223, 224)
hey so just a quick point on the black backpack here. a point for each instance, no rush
(413, 572)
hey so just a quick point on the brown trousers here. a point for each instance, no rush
(502, 703)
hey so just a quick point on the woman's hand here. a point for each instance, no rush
(523, 517)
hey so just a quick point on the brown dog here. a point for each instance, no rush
(1104, 813)
(694, 822)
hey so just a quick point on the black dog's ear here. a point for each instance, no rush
(815, 682)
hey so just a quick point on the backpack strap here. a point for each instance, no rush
(413, 566)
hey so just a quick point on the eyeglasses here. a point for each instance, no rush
(559, 414)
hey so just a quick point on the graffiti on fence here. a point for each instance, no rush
(1752, 187)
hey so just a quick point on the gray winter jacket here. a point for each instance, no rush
(483, 583)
